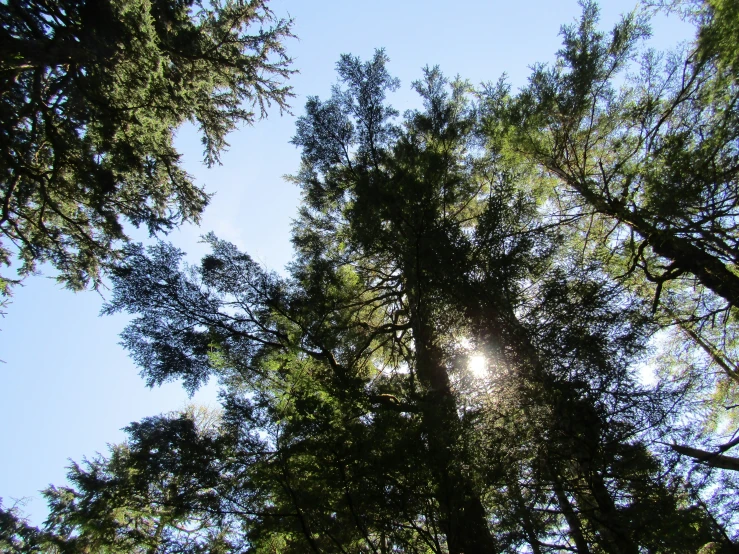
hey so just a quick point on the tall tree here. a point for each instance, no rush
(350, 420)
(658, 157)
(91, 93)
(642, 151)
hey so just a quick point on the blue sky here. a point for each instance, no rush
(67, 387)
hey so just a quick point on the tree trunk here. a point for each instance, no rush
(604, 514)
(464, 520)
(523, 513)
(713, 459)
(573, 521)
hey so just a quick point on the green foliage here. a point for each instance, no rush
(350, 420)
(157, 493)
(92, 93)
(655, 158)
(16, 535)
(718, 35)
(642, 151)
(528, 230)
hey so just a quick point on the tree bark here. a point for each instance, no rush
(606, 517)
(464, 520)
(712, 459)
(523, 513)
(573, 521)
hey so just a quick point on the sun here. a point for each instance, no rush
(477, 364)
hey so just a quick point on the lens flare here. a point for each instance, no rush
(477, 365)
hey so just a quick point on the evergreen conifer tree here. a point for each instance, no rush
(642, 151)
(352, 419)
(91, 93)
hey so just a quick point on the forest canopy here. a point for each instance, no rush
(91, 94)
(454, 361)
